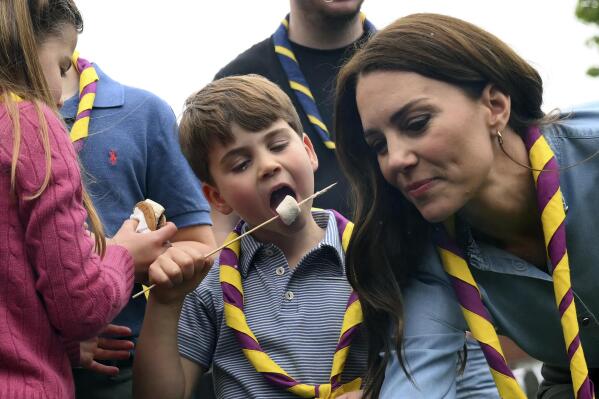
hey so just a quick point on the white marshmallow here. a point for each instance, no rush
(288, 209)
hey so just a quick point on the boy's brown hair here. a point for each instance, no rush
(250, 101)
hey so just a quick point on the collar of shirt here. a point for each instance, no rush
(109, 94)
(325, 219)
(487, 257)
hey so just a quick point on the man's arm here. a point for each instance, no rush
(198, 236)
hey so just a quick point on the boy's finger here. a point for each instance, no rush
(158, 276)
(195, 263)
(183, 260)
(203, 266)
(172, 270)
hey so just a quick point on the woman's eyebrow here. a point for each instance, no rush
(401, 113)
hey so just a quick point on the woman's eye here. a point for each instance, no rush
(417, 123)
(379, 146)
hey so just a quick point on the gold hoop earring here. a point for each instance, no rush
(500, 138)
(500, 141)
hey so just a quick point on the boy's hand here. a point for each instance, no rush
(101, 348)
(177, 272)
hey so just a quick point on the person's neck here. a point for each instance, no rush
(313, 31)
(294, 242)
(505, 209)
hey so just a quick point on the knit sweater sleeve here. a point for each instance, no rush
(80, 291)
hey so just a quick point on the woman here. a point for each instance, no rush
(456, 174)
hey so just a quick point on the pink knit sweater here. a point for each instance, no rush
(53, 287)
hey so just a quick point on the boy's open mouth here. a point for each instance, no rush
(277, 196)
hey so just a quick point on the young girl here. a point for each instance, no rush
(54, 287)
(465, 190)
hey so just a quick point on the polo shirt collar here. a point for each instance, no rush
(324, 219)
(109, 94)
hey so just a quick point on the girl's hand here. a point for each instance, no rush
(177, 272)
(101, 348)
(144, 248)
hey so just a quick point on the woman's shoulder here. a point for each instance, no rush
(578, 122)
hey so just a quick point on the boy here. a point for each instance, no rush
(243, 139)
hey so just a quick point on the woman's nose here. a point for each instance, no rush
(400, 155)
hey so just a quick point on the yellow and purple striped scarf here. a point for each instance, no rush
(88, 79)
(230, 280)
(550, 205)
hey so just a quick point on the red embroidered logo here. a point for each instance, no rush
(112, 157)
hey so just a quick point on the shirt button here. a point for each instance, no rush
(268, 252)
(280, 271)
(289, 295)
(585, 321)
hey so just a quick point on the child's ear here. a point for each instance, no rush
(214, 198)
(310, 150)
(499, 106)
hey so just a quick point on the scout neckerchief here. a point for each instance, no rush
(87, 94)
(15, 98)
(230, 281)
(550, 205)
(298, 82)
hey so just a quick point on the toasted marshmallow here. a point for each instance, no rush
(288, 210)
(150, 214)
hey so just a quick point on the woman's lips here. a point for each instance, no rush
(419, 188)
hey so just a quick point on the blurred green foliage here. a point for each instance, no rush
(588, 11)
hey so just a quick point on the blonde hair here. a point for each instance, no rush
(250, 101)
(24, 26)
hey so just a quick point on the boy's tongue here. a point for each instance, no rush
(277, 196)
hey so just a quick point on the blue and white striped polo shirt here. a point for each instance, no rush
(295, 314)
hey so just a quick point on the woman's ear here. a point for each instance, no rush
(215, 199)
(499, 105)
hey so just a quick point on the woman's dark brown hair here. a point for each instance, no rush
(390, 234)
